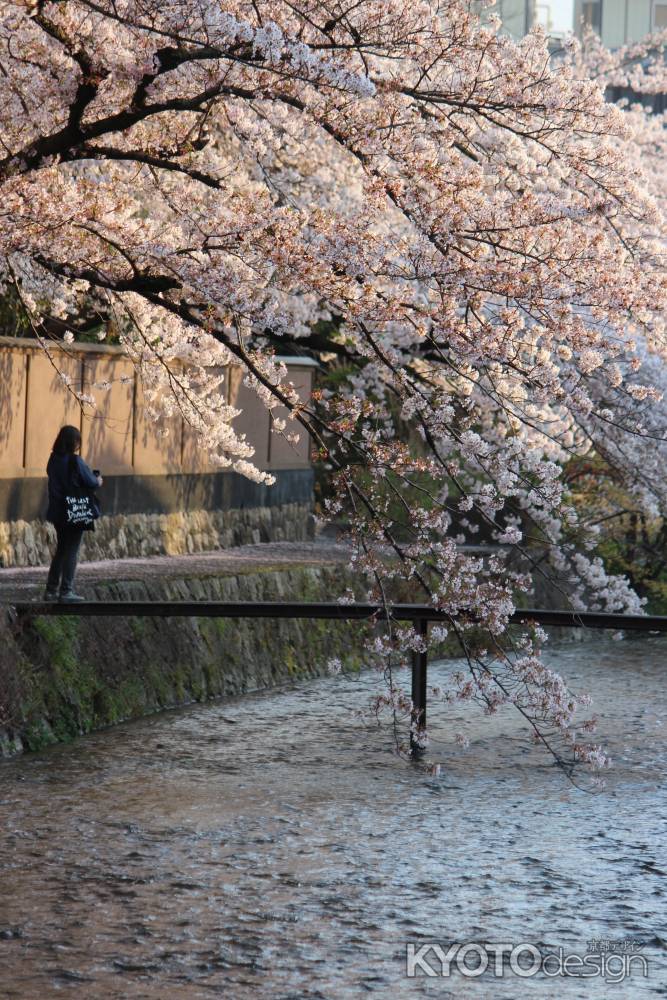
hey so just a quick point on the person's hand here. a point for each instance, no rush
(100, 481)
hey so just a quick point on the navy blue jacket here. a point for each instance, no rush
(65, 472)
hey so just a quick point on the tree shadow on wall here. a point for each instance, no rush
(12, 407)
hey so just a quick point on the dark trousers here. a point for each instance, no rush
(63, 564)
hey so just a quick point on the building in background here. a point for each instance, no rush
(616, 21)
(557, 16)
(519, 16)
(621, 21)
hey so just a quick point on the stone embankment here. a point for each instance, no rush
(122, 536)
(64, 676)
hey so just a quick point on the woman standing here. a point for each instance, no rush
(68, 473)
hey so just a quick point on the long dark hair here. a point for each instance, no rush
(68, 441)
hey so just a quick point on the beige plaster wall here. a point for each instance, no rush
(49, 405)
(118, 437)
(13, 385)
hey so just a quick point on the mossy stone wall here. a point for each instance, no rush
(64, 676)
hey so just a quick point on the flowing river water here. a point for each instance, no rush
(273, 847)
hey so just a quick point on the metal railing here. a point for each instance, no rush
(419, 614)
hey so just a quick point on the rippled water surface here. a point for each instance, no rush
(273, 847)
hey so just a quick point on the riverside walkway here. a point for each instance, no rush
(24, 583)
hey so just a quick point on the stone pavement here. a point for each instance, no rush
(26, 583)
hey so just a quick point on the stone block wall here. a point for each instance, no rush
(30, 543)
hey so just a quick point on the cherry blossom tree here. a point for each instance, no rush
(458, 223)
(618, 483)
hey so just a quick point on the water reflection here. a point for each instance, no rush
(274, 848)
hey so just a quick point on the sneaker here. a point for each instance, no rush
(50, 595)
(71, 598)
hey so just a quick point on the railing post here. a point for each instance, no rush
(419, 665)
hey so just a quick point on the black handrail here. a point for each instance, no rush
(354, 611)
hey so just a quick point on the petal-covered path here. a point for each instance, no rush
(26, 582)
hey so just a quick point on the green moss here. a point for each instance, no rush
(289, 659)
(138, 627)
(66, 686)
(211, 681)
(60, 635)
(127, 700)
(37, 735)
(221, 626)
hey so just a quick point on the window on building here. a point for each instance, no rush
(659, 15)
(592, 14)
(557, 16)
